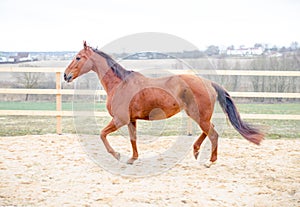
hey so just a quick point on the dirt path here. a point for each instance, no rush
(52, 170)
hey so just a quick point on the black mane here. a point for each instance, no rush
(118, 70)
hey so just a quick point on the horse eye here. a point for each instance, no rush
(77, 58)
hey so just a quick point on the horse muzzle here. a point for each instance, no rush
(68, 77)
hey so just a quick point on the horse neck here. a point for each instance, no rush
(105, 74)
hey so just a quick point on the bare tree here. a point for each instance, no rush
(29, 81)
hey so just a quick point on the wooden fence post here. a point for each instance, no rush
(58, 103)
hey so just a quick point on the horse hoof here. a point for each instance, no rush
(117, 155)
(196, 155)
(209, 163)
(131, 161)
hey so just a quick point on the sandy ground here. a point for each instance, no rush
(53, 170)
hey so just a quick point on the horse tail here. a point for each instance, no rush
(249, 132)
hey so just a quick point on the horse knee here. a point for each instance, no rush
(103, 135)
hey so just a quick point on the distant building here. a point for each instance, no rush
(147, 55)
(20, 57)
(3, 59)
(243, 51)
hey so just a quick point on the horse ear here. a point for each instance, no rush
(84, 45)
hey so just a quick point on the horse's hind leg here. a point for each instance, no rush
(208, 130)
(213, 136)
(111, 127)
(132, 133)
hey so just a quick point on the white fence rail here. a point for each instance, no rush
(59, 92)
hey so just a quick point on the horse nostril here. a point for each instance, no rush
(65, 76)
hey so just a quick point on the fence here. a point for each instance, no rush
(59, 92)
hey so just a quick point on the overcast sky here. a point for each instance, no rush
(57, 25)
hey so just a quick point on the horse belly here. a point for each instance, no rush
(153, 104)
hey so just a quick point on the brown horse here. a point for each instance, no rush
(132, 96)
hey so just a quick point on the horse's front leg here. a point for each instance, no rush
(111, 127)
(132, 133)
(197, 144)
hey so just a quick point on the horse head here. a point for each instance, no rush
(81, 64)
